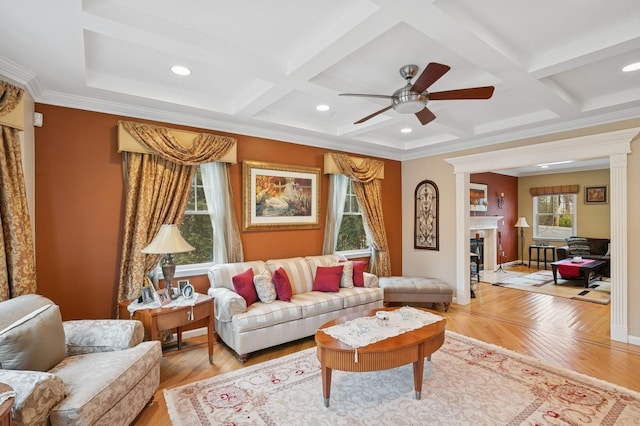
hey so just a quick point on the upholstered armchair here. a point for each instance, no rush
(89, 372)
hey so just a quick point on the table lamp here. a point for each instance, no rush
(521, 223)
(168, 241)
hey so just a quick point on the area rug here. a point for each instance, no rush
(542, 282)
(466, 382)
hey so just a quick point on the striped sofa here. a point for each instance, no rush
(262, 325)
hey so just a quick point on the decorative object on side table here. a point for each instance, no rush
(425, 228)
(168, 241)
(521, 223)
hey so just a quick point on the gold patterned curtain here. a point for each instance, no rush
(156, 190)
(17, 258)
(368, 191)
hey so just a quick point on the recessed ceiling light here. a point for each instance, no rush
(406, 130)
(323, 107)
(632, 67)
(180, 70)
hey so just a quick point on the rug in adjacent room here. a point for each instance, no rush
(467, 382)
(599, 291)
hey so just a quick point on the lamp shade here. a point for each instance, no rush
(521, 223)
(168, 240)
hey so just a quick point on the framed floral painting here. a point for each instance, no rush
(280, 196)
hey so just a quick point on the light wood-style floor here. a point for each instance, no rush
(564, 332)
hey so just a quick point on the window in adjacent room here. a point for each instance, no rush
(196, 226)
(554, 216)
(352, 236)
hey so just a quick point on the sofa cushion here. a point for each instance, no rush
(359, 267)
(347, 275)
(360, 296)
(34, 341)
(578, 246)
(298, 272)
(220, 275)
(328, 278)
(598, 245)
(282, 284)
(265, 287)
(317, 302)
(243, 285)
(263, 315)
(90, 395)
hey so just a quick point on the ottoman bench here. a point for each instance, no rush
(416, 290)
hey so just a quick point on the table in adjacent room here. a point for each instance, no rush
(169, 318)
(586, 268)
(544, 252)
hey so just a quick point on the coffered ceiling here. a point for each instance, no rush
(261, 67)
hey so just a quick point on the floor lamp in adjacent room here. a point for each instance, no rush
(521, 223)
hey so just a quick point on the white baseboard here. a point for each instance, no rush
(634, 340)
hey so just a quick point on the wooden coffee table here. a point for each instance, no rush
(406, 348)
(586, 269)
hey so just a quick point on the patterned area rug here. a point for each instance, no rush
(467, 382)
(542, 282)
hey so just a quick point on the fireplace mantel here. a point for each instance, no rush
(487, 227)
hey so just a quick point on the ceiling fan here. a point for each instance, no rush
(413, 98)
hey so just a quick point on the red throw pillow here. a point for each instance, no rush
(243, 285)
(328, 278)
(283, 285)
(359, 266)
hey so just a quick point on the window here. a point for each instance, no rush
(352, 236)
(196, 226)
(554, 216)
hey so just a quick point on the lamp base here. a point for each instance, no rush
(168, 271)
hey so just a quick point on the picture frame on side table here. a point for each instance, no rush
(163, 296)
(147, 295)
(280, 197)
(478, 200)
(597, 194)
(182, 284)
(427, 201)
(188, 291)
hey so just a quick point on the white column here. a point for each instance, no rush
(618, 205)
(463, 283)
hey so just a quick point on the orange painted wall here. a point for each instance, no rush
(79, 208)
(497, 184)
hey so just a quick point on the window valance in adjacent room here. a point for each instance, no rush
(184, 146)
(554, 190)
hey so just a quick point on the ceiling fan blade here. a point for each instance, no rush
(430, 75)
(362, 120)
(425, 116)
(366, 95)
(472, 93)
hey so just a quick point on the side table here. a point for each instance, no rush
(544, 250)
(5, 407)
(169, 318)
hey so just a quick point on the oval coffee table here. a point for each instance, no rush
(410, 347)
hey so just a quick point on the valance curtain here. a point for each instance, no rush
(156, 192)
(368, 191)
(554, 190)
(17, 257)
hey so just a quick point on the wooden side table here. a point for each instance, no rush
(544, 250)
(5, 407)
(169, 318)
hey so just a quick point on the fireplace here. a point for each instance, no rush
(486, 229)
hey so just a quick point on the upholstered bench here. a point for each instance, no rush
(416, 290)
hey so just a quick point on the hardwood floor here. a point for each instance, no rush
(569, 333)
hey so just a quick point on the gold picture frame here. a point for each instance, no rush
(280, 196)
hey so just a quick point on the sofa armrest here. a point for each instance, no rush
(88, 336)
(562, 252)
(36, 394)
(370, 280)
(226, 303)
